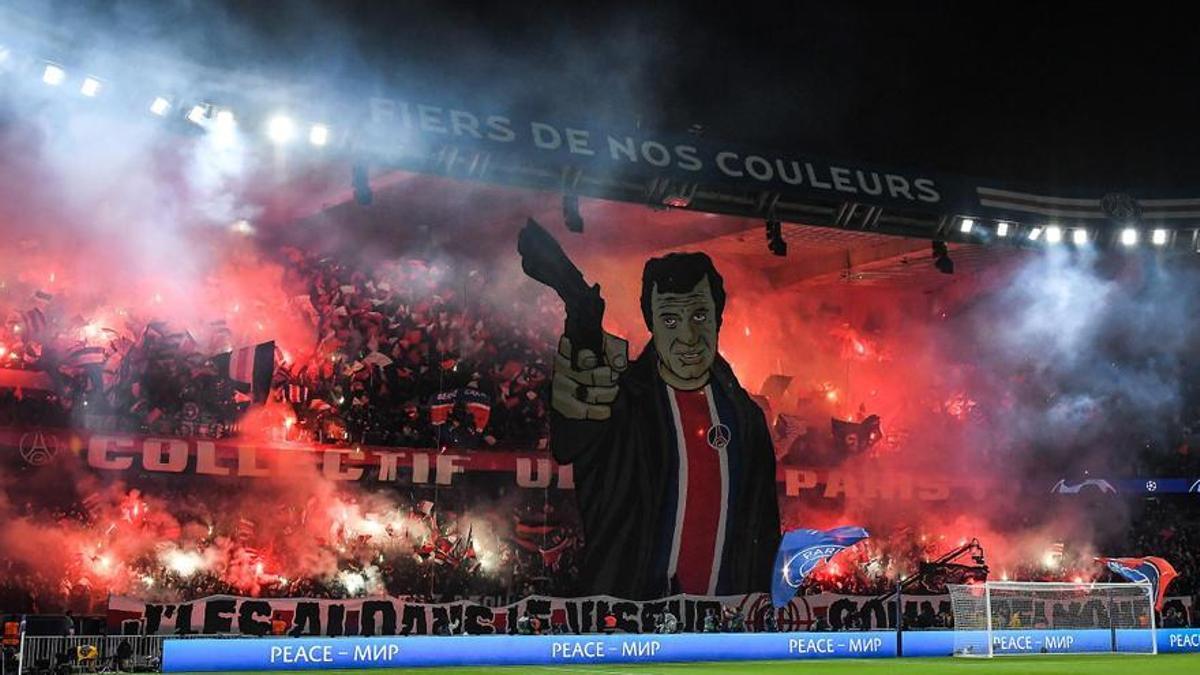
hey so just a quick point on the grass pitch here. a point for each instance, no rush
(1164, 664)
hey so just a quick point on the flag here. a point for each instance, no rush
(245, 530)
(35, 320)
(443, 403)
(479, 405)
(423, 507)
(86, 356)
(1155, 571)
(252, 366)
(801, 551)
(377, 359)
(856, 436)
(93, 503)
(297, 393)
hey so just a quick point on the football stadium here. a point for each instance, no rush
(317, 355)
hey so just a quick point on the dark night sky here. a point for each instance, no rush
(1057, 95)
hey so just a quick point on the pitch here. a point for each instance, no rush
(1165, 664)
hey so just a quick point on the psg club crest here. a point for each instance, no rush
(37, 449)
(801, 564)
(718, 436)
(803, 550)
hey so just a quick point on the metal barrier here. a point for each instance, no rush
(91, 654)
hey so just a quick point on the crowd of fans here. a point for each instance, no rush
(408, 354)
(469, 545)
(411, 354)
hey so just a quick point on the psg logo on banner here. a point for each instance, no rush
(718, 437)
(37, 448)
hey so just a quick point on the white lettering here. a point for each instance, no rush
(100, 449)
(841, 179)
(649, 648)
(897, 186)
(566, 477)
(721, 158)
(420, 467)
(1184, 640)
(688, 161)
(545, 136)
(876, 189)
(525, 476)
(759, 168)
(311, 654)
(626, 147)
(376, 653)
(248, 462)
(1062, 642)
(812, 177)
(500, 129)
(1009, 644)
(797, 176)
(387, 465)
(865, 644)
(592, 649)
(656, 153)
(462, 121)
(926, 191)
(176, 456)
(206, 460)
(332, 466)
(810, 646)
(447, 466)
(382, 110)
(430, 119)
(577, 142)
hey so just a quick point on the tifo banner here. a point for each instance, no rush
(48, 449)
(398, 129)
(399, 616)
(330, 653)
(299, 617)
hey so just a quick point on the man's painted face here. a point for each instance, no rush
(685, 332)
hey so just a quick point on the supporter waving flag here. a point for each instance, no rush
(1157, 572)
(801, 551)
(252, 367)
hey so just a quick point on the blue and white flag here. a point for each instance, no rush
(801, 551)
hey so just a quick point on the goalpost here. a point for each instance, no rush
(1001, 618)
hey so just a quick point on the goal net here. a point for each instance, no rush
(1010, 617)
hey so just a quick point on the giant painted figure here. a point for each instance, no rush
(674, 467)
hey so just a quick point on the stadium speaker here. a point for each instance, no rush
(775, 242)
(941, 258)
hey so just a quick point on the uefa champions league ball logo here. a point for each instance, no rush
(1151, 486)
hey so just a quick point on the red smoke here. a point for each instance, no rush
(852, 351)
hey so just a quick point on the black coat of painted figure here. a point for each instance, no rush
(623, 473)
